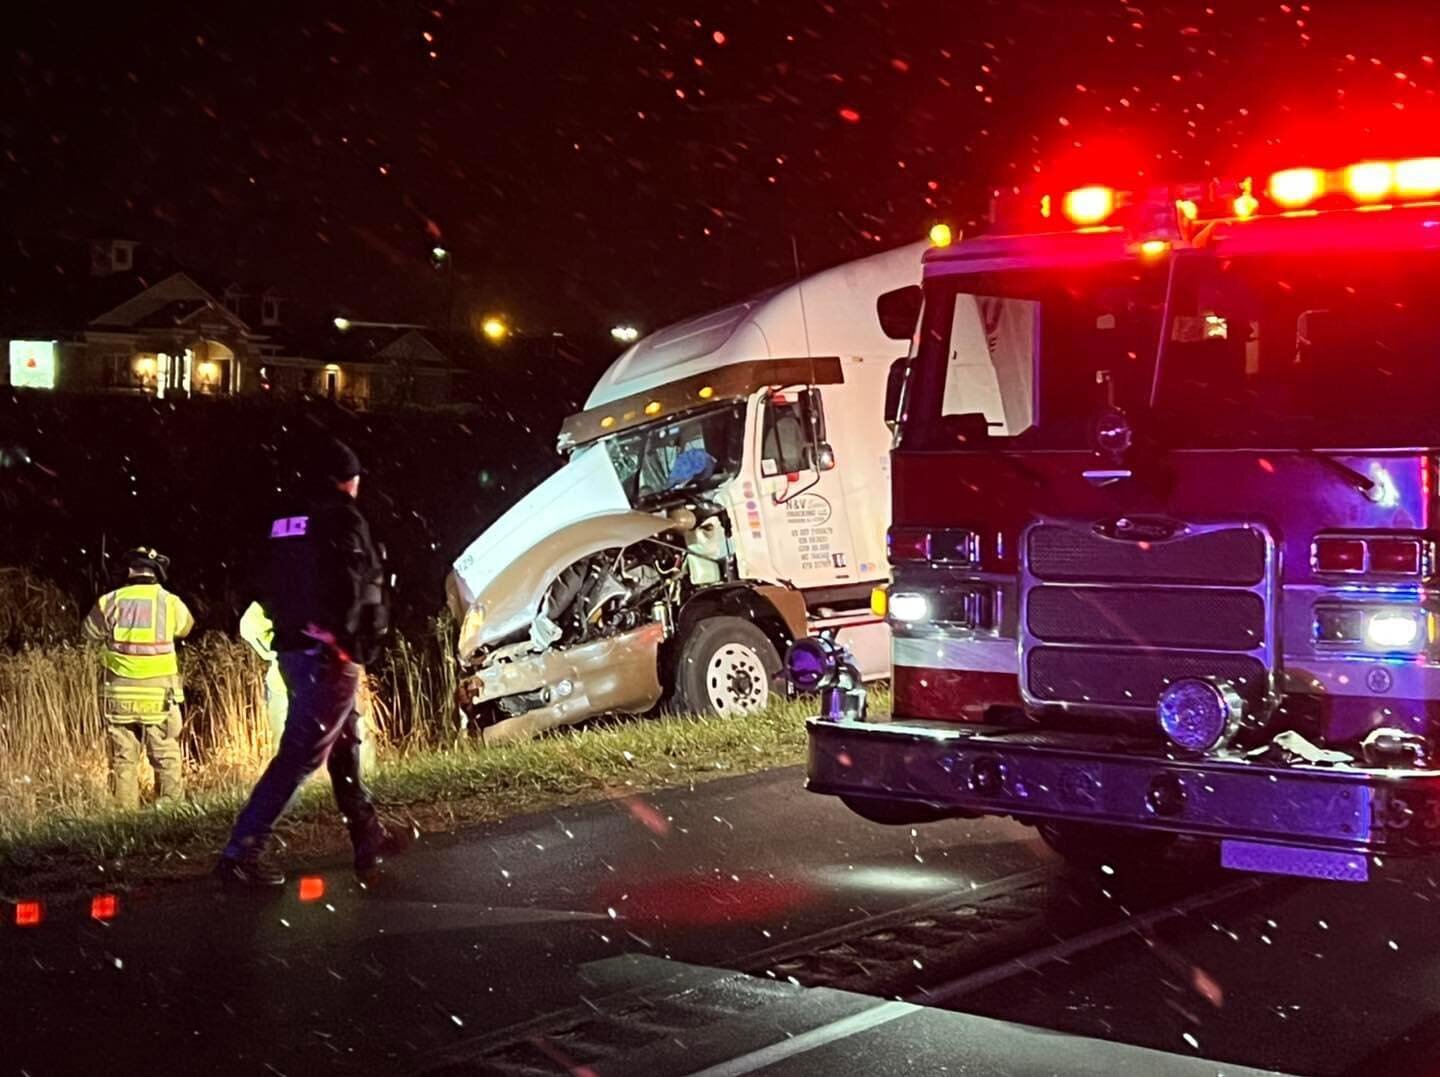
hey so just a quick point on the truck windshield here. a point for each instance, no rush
(1259, 352)
(699, 451)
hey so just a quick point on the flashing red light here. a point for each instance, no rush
(312, 888)
(1401, 556)
(1339, 555)
(29, 913)
(1418, 177)
(104, 906)
(1296, 187)
(1089, 205)
(1370, 181)
(1155, 248)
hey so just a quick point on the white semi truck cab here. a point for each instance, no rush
(726, 492)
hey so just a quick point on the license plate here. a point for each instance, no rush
(1289, 860)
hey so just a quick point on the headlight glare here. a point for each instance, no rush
(1393, 629)
(909, 607)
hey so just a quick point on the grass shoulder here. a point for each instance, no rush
(429, 788)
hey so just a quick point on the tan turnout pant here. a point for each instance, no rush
(161, 742)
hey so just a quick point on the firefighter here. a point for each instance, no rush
(322, 586)
(141, 695)
(258, 631)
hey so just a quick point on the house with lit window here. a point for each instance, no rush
(113, 329)
(125, 321)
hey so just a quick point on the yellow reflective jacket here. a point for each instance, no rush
(258, 631)
(138, 625)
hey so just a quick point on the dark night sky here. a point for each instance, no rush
(634, 159)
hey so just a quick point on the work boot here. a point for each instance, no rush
(247, 873)
(376, 846)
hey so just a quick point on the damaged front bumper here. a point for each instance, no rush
(619, 674)
(1036, 776)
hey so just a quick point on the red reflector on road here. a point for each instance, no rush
(104, 906)
(312, 888)
(28, 913)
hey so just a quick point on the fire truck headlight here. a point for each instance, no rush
(1393, 629)
(1199, 716)
(909, 607)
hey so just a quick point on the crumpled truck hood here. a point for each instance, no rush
(578, 511)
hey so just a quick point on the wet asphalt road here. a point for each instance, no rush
(467, 934)
(488, 929)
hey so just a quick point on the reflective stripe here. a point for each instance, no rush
(142, 649)
(140, 644)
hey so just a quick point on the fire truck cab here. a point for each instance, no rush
(1163, 526)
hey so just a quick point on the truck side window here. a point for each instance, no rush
(786, 436)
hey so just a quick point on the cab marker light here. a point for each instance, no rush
(312, 887)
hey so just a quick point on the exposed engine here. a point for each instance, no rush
(595, 611)
(614, 591)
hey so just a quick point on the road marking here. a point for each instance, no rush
(809, 1041)
(963, 985)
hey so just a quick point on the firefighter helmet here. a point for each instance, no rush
(146, 560)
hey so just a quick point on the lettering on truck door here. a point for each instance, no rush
(807, 524)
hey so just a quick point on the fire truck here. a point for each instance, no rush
(1164, 515)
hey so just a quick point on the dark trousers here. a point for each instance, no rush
(322, 726)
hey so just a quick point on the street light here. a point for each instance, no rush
(625, 334)
(495, 328)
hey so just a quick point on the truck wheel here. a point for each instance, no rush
(1091, 845)
(725, 665)
(893, 812)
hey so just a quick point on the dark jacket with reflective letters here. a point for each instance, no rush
(321, 568)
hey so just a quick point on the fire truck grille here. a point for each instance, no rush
(1204, 618)
(1235, 556)
(1132, 679)
(1108, 623)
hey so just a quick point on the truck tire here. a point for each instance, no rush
(725, 666)
(1092, 845)
(894, 812)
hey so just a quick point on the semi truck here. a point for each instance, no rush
(1164, 527)
(725, 491)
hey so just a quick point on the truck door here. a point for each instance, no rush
(802, 497)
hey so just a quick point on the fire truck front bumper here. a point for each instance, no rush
(1037, 776)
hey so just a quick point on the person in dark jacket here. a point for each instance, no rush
(322, 585)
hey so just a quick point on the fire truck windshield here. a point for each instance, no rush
(1258, 352)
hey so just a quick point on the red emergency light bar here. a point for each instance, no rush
(1179, 211)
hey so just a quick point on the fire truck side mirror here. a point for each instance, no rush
(899, 311)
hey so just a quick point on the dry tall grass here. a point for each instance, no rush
(52, 746)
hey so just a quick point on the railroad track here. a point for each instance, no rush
(928, 953)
